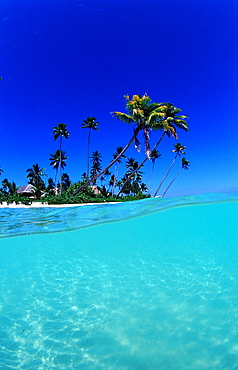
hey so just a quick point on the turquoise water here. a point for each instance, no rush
(154, 287)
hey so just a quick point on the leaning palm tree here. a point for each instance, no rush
(178, 149)
(144, 115)
(91, 124)
(184, 165)
(117, 165)
(58, 159)
(169, 123)
(60, 131)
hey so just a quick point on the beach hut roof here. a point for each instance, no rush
(26, 189)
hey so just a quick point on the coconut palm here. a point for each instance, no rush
(66, 183)
(144, 115)
(129, 180)
(91, 124)
(60, 131)
(96, 164)
(34, 174)
(169, 122)
(178, 149)
(9, 187)
(153, 156)
(51, 186)
(184, 165)
(117, 165)
(58, 159)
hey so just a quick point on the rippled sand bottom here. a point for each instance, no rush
(156, 292)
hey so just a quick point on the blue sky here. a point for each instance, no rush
(65, 60)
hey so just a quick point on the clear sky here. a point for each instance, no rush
(65, 60)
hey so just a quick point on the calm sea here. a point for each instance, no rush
(150, 284)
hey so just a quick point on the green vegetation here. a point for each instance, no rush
(99, 185)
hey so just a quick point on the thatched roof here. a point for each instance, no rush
(26, 190)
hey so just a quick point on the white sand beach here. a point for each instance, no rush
(38, 205)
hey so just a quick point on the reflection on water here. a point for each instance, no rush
(155, 292)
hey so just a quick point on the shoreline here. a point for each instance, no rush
(41, 205)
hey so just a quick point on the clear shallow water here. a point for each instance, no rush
(158, 291)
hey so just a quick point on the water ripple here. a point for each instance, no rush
(24, 221)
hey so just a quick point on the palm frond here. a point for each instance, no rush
(123, 117)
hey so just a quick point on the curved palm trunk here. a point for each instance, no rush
(111, 163)
(141, 164)
(161, 183)
(89, 139)
(151, 174)
(171, 182)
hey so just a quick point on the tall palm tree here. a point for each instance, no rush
(184, 165)
(60, 131)
(58, 158)
(153, 156)
(169, 123)
(144, 115)
(91, 124)
(178, 149)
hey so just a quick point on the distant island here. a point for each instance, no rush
(99, 185)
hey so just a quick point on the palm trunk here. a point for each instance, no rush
(115, 177)
(161, 183)
(171, 183)
(142, 164)
(151, 174)
(89, 137)
(60, 165)
(111, 163)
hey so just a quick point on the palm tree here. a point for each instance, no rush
(1, 171)
(9, 187)
(58, 158)
(96, 165)
(51, 186)
(184, 165)
(34, 175)
(153, 156)
(129, 180)
(91, 124)
(144, 115)
(117, 165)
(168, 123)
(66, 183)
(143, 187)
(60, 131)
(178, 149)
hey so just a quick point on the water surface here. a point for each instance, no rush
(156, 288)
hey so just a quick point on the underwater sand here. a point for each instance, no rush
(159, 291)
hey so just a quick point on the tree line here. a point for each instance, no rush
(98, 184)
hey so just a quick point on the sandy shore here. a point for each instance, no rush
(41, 205)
